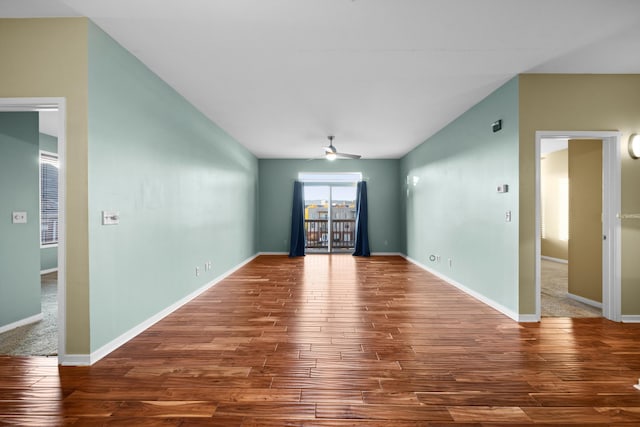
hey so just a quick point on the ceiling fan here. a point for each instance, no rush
(330, 152)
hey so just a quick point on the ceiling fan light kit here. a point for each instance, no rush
(330, 152)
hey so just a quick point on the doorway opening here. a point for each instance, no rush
(330, 211)
(606, 225)
(52, 267)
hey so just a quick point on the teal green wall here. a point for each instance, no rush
(454, 211)
(48, 258)
(19, 243)
(48, 254)
(48, 143)
(276, 192)
(185, 190)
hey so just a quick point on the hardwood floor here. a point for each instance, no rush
(339, 341)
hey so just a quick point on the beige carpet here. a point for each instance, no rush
(40, 338)
(555, 302)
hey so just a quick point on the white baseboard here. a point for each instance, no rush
(273, 253)
(528, 318)
(387, 254)
(50, 270)
(584, 300)
(27, 320)
(559, 260)
(90, 359)
(74, 360)
(630, 319)
(488, 301)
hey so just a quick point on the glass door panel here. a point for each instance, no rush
(343, 218)
(316, 218)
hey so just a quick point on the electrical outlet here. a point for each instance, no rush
(450, 263)
(197, 271)
(19, 217)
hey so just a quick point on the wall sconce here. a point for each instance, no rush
(634, 146)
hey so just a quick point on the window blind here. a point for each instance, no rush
(48, 199)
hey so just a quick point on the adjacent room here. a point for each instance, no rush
(309, 212)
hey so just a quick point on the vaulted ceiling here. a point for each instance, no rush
(380, 75)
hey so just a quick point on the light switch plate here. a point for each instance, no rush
(19, 217)
(110, 218)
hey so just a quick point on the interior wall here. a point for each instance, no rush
(579, 102)
(49, 253)
(19, 244)
(48, 58)
(276, 192)
(452, 207)
(554, 170)
(185, 191)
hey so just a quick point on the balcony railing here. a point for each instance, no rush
(343, 233)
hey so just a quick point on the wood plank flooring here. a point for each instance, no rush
(339, 341)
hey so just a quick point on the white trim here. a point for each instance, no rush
(331, 178)
(611, 202)
(74, 360)
(273, 253)
(59, 103)
(62, 229)
(47, 271)
(552, 259)
(26, 321)
(612, 228)
(48, 245)
(528, 318)
(630, 319)
(584, 300)
(83, 359)
(488, 301)
(387, 254)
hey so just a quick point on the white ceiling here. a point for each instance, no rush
(381, 75)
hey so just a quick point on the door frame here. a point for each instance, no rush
(50, 103)
(611, 226)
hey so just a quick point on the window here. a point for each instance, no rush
(48, 198)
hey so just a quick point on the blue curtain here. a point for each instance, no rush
(296, 247)
(362, 221)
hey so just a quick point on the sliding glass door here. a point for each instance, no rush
(330, 216)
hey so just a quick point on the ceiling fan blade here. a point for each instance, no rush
(348, 156)
(331, 153)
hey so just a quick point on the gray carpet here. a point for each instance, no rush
(40, 338)
(555, 302)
